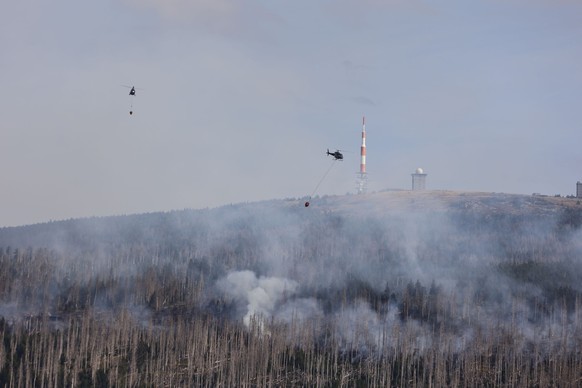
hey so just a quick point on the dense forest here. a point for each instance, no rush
(386, 289)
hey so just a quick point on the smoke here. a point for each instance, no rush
(364, 329)
(432, 270)
(263, 296)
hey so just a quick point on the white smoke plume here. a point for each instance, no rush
(263, 296)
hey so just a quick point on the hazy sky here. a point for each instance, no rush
(240, 99)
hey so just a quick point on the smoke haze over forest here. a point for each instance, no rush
(434, 270)
(285, 262)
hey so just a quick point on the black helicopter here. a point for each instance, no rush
(132, 94)
(131, 89)
(337, 155)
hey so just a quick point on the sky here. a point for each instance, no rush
(239, 100)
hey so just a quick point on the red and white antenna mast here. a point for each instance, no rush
(363, 148)
(362, 182)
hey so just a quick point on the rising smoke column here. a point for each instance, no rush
(263, 295)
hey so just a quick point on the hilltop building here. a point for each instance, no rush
(418, 180)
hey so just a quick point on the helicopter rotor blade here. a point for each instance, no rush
(130, 87)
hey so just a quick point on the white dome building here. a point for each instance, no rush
(419, 180)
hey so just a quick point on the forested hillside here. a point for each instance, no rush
(392, 288)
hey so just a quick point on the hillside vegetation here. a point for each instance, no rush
(392, 288)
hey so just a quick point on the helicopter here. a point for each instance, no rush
(131, 89)
(132, 94)
(337, 155)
